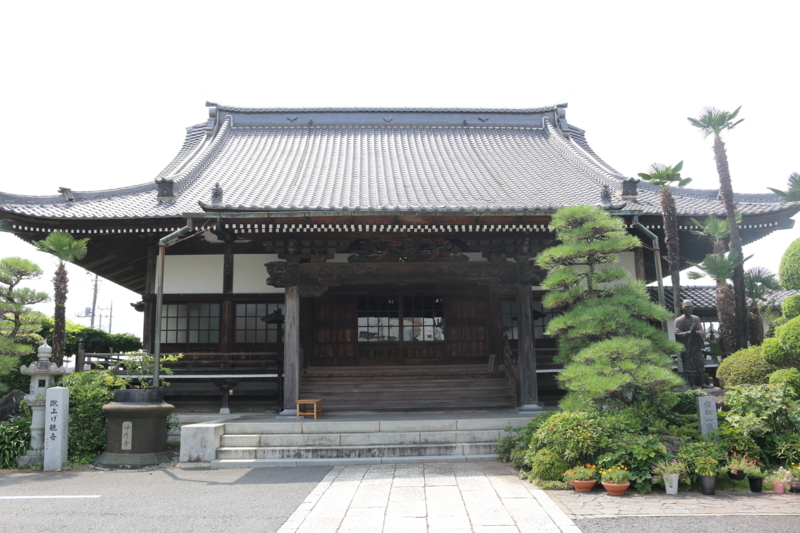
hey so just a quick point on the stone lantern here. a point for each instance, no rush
(43, 374)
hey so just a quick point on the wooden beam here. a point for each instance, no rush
(528, 386)
(291, 351)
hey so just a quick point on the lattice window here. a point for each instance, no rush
(400, 318)
(250, 329)
(192, 323)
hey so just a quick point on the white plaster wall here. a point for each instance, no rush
(250, 274)
(193, 274)
(627, 260)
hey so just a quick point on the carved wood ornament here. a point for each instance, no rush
(404, 249)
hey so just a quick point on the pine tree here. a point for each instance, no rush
(607, 339)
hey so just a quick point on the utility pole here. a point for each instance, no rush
(110, 316)
(94, 299)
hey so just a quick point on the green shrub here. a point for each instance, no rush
(88, 392)
(790, 307)
(687, 401)
(745, 367)
(513, 447)
(547, 465)
(789, 271)
(574, 436)
(762, 410)
(15, 437)
(789, 377)
(786, 447)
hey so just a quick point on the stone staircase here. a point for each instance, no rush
(407, 388)
(432, 437)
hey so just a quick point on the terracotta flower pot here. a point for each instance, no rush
(584, 486)
(616, 489)
(778, 487)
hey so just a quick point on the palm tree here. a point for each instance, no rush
(65, 248)
(792, 194)
(759, 282)
(720, 268)
(664, 176)
(713, 121)
(716, 230)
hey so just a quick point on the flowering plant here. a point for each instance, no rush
(585, 472)
(674, 466)
(752, 468)
(781, 475)
(795, 470)
(615, 474)
(736, 463)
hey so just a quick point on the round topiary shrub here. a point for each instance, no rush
(774, 353)
(789, 337)
(790, 307)
(574, 436)
(547, 465)
(789, 271)
(789, 377)
(745, 367)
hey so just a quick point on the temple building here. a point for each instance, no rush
(397, 243)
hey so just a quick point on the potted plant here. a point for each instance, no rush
(795, 471)
(780, 478)
(615, 480)
(706, 469)
(582, 477)
(671, 472)
(755, 476)
(736, 465)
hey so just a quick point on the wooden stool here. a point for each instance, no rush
(316, 408)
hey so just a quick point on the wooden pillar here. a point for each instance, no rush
(528, 386)
(291, 351)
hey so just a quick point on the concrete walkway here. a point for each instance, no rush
(428, 498)
(598, 504)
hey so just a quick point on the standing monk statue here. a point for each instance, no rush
(689, 332)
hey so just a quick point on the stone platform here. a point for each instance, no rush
(369, 438)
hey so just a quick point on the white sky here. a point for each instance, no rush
(97, 94)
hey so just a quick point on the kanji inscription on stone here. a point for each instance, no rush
(127, 435)
(707, 412)
(55, 441)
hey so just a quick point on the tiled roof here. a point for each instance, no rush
(704, 297)
(379, 160)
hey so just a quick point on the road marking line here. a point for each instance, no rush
(44, 497)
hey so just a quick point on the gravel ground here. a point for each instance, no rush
(691, 524)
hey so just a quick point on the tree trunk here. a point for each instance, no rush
(672, 242)
(60, 314)
(726, 191)
(756, 326)
(727, 319)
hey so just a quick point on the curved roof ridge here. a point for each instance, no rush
(200, 160)
(235, 109)
(581, 158)
(194, 137)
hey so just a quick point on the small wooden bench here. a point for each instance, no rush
(316, 408)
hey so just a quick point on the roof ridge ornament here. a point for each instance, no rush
(213, 113)
(630, 189)
(165, 189)
(561, 120)
(606, 201)
(67, 192)
(216, 194)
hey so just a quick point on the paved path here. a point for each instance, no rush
(429, 498)
(597, 504)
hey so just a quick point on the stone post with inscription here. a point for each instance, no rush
(707, 412)
(43, 374)
(56, 427)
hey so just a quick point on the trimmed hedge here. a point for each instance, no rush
(784, 348)
(789, 271)
(745, 367)
(790, 307)
(787, 376)
(548, 466)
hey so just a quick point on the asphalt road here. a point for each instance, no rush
(690, 524)
(161, 500)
